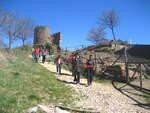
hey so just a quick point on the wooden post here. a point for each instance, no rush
(137, 67)
(127, 72)
(95, 62)
(66, 53)
(126, 65)
(140, 76)
(116, 60)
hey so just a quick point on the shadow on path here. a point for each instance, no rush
(125, 91)
(144, 90)
(66, 74)
(62, 74)
(67, 82)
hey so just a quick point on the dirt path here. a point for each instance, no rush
(103, 98)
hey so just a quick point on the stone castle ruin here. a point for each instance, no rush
(43, 35)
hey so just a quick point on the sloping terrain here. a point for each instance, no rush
(24, 84)
(103, 98)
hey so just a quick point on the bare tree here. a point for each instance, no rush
(2, 43)
(97, 35)
(1, 21)
(8, 26)
(110, 20)
(25, 29)
(1, 17)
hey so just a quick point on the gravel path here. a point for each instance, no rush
(103, 98)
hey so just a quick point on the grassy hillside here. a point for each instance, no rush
(24, 84)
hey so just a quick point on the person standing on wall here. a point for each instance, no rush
(58, 62)
(90, 71)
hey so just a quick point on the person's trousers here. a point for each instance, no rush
(43, 58)
(77, 77)
(58, 68)
(89, 76)
(33, 57)
(36, 57)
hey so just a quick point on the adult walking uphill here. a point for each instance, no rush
(44, 53)
(58, 62)
(73, 62)
(37, 52)
(78, 68)
(90, 71)
(33, 54)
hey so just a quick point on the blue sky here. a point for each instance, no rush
(74, 18)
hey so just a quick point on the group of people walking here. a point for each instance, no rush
(39, 54)
(78, 67)
(76, 60)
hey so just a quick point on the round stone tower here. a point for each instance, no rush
(41, 35)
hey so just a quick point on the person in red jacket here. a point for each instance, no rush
(36, 52)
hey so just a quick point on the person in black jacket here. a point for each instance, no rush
(73, 62)
(90, 72)
(78, 68)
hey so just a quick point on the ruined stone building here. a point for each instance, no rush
(43, 35)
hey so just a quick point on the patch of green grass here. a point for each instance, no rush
(24, 84)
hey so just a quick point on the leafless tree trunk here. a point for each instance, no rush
(97, 35)
(1, 17)
(14, 28)
(9, 26)
(1, 42)
(23, 42)
(114, 37)
(110, 20)
(25, 29)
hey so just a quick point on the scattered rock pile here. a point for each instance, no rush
(46, 109)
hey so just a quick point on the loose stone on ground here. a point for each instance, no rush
(100, 97)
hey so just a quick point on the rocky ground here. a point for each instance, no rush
(103, 98)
